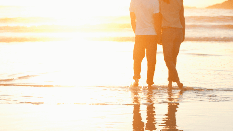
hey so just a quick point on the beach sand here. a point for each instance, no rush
(114, 108)
(97, 95)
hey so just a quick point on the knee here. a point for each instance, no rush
(138, 59)
(168, 62)
(167, 59)
(138, 56)
(151, 61)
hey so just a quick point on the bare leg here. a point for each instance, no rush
(135, 84)
(180, 85)
(170, 84)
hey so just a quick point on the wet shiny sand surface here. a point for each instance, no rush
(67, 91)
(99, 108)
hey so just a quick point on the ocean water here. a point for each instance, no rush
(63, 73)
(30, 24)
(35, 46)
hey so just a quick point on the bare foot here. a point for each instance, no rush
(180, 85)
(135, 84)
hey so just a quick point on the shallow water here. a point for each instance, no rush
(87, 63)
(86, 86)
(114, 108)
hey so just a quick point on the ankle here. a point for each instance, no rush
(180, 85)
(135, 83)
(178, 82)
(170, 84)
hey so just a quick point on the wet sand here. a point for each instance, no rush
(115, 108)
(56, 93)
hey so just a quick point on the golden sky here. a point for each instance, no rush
(197, 3)
(87, 7)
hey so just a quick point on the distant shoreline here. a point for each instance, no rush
(225, 5)
(190, 7)
(116, 39)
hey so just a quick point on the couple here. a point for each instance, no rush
(148, 19)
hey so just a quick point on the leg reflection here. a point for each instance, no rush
(138, 125)
(170, 120)
(150, 125)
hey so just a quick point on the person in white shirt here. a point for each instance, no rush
(144, 16)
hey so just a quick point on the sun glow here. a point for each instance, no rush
(94, 6)
(201, 3)
(73, 14)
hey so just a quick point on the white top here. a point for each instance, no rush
(144, 11)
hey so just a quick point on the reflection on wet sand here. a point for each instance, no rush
(169, 122)
(150, 125)
(138, 125)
